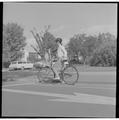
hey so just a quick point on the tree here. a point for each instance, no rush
(13, 41)
(105, 52)
(87, 46)
(33, 57)
(75, 45)
(82, 45)
(105, 56)
(45, 42)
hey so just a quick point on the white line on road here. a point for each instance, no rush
(77, 98)
(33, 83)
(19, 84)
(99, 87)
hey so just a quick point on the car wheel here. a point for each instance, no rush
(22, 68)
(10, 69)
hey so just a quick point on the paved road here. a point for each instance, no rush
(92, 96)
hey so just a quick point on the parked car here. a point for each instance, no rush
(40, 64)
(20, 65)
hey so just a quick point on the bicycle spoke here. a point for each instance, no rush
(67, 74)
(45, 74)
(70, 75)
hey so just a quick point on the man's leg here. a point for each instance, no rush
(56, 68)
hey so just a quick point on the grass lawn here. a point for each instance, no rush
(83, 68)
(13, 75)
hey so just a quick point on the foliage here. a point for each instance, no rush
(105, 55)
(45, 43)
(93, 49)
(75, 45)
(13, 41)
(5, 64)
(81, 45)
(33, 57)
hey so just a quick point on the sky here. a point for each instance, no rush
(65, 19)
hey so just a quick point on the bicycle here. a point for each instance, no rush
(69, 74)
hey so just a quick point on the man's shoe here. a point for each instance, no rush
(57, 78)
(62, 82)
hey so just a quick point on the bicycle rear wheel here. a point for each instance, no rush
(70, 75)
(45, 74)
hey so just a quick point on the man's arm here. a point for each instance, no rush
(64, 51)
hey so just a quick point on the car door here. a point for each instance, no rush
(20, 65)
(24, 65)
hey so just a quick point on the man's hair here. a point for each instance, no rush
(59, 40)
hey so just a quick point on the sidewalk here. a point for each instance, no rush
(28, 79)
(25, 80)
(5, 69)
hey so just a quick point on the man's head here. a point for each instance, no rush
(59, 40)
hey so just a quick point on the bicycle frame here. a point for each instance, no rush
(61, 72)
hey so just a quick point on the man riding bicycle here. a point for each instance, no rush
(61, 57)
(67, 74)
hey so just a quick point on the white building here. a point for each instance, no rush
(25, 55)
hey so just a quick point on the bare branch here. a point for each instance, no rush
(35, 49)
(38, 41)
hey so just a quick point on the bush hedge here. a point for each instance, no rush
(105, 56)
(5, 64)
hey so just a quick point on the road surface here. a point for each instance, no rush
(93, 96)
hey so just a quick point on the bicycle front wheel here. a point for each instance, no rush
(70, 75)
(45, 74)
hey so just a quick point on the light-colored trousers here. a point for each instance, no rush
(58, 66)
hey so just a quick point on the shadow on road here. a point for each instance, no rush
(50, 81)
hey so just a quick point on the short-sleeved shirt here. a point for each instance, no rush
(61, 52)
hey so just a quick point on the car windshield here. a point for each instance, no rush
(14, 62)
(19, 62)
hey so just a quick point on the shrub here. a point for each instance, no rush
(5, 64)
(6, 79)
(104, 56)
